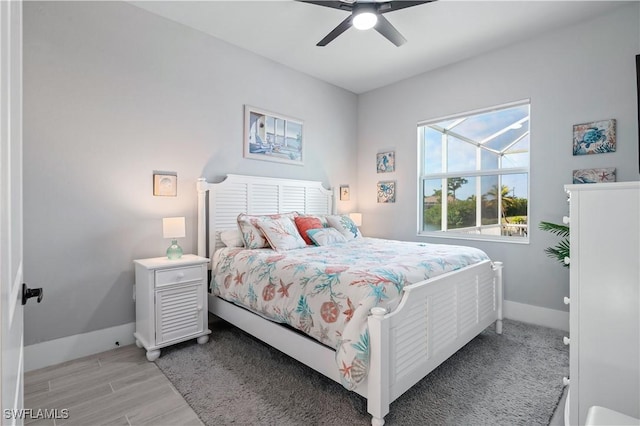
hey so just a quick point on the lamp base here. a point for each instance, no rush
(174, 251)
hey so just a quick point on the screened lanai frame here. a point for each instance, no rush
(483, 133)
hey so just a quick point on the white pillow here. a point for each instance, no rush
(281, 233)
(252, 235)
(345, 226)
(232, 238)
(326, 236)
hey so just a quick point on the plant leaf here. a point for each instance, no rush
(554, 228)
(562, 249)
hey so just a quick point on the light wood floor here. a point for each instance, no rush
(117, 387)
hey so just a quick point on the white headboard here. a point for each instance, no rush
(253, 195)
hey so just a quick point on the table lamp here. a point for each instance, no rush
(173, 227)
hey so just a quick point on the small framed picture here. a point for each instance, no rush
(387, 192)
(607, 174)
(386, 162)
(165, 184)
(596, 137)
(344, 193)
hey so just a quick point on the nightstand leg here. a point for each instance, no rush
(138, 343)
(203, 339)
(153, 355)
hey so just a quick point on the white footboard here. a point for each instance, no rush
(434, 320)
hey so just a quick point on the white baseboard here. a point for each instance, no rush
(56, 351)
(536, 315)
(67, 348)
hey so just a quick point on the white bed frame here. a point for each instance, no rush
(434, 319)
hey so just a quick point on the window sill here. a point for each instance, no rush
(475, 237)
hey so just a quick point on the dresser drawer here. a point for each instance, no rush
(178, 275)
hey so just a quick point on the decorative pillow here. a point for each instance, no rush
(345, 225)
(251, 235)
(326, 236)
(305, 223)
(231, 238)
(281, 233)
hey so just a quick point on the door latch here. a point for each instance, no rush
(28, 293)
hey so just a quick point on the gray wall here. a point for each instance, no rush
(582, 73)
(111, 93)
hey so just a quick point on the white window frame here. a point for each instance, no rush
(422, 176)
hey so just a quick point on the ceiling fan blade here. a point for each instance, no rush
(342, 27)
(397, 5)
(332, 4)
(385, 28)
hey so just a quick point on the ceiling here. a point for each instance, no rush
(438, 33)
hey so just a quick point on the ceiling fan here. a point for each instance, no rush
(366, 15)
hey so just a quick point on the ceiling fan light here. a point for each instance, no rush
(365, 20)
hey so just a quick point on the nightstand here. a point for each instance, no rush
(171, 302)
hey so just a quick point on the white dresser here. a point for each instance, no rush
(604, 299)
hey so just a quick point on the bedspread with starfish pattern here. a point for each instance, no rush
(327, 292)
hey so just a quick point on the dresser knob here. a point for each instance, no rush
(567, 300)
(567, 260)
(180, 275)
(566, 220)
(565, 381)
(566, 340)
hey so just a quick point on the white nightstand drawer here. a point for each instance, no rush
(178, 275)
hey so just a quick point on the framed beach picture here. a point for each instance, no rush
(386, 162)
(272, 137)
(387, 192)
(594, 175)
(596, 137)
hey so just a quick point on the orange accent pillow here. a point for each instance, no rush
(304, 223)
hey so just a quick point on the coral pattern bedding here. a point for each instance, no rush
(327, 292)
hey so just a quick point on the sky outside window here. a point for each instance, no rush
(500, 136)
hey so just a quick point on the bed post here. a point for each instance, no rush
(497, 267)
(201, 186)
(378, 379)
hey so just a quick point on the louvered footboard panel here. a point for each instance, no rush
(410, 342)
(435, 319)
(486, 297)
(468, 302)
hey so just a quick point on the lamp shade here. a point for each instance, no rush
(356, 218)
(173, 227)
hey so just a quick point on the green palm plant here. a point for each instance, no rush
(562, 249)
(507, 200)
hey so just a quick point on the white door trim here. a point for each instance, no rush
(11, 235)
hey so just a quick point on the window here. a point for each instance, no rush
(474, 174)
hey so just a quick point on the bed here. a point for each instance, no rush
(407, 338)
